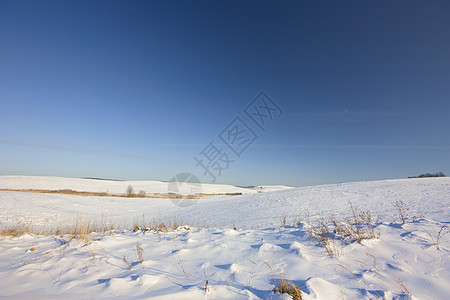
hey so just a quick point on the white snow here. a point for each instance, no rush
(271, 188)
(235, 243)
(113, 186)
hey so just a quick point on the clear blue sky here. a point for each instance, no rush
(136, 89)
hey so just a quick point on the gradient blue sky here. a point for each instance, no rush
(136, 89)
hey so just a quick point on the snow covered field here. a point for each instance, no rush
(230, 247)
(117, 187)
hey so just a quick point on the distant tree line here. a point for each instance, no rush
(439, 174)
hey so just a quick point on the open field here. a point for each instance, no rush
(100, 194)
(115, 187)
(366, 240)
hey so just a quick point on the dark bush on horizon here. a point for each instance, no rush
(439, 174)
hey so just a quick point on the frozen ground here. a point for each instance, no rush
(236, 244)
(117, 187)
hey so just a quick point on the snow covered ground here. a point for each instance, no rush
(231, 247)
(116, 186)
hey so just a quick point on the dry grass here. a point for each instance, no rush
(328, 231)
(167, 225)
(322, 234)
(436, 239)
(285, 286)
(140, 224)
(402, 210)
(82, 228)
(140, 252)
(180, 263)
(207, 278)
(359, 227)
(206, 288)
(15, 230)
(128, 194)
(126, 262)
(64, 191)
(158, 225)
